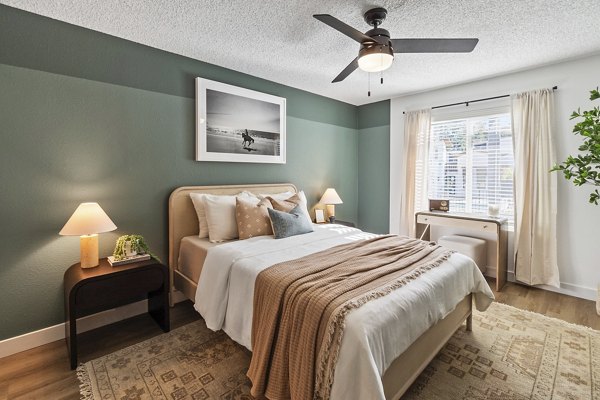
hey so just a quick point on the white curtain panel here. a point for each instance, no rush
(535, 188)
(415, 160)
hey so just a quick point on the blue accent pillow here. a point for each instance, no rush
(289, 224)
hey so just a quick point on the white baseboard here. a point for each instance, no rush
(565, 288)
(510, 276)
(572, 290)
(51, 334)
(490, 271)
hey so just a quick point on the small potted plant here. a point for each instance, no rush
(131, 247)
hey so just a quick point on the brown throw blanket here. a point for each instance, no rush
(300, 308)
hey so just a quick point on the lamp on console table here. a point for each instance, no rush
(330, 199)
(88, 220)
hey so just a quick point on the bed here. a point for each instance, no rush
(378, 359)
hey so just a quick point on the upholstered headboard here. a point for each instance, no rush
(183, 220)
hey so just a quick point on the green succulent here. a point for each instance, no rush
(585, 168)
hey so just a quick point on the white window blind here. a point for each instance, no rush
(471, 162)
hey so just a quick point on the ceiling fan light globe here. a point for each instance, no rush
(375, 62)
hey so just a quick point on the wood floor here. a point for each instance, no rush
(567, 308)
(43, 372)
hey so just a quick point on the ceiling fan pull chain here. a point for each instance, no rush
(369, 83)
(381, 77)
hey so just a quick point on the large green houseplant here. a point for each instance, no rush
(585, 167)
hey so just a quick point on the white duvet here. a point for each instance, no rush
(375, 334)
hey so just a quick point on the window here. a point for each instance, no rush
(471, 163)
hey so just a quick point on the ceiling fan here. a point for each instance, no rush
(377, 49)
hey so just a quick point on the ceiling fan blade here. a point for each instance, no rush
(347, 71)
(343, 28)
(434, 45)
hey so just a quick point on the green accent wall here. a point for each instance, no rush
(36, 42)
(374, 166)
(85, 116)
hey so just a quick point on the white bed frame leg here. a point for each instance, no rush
(470, 323)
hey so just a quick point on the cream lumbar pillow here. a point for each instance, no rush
(287, 205)
(220, 216)
(252, 219)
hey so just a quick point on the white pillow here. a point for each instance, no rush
(250, 196)
(220, 216)
(200, 212)
(278, 196)
(302, 196)
(197, 200)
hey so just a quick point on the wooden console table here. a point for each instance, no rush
(474, 222)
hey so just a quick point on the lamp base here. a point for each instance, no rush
(331, 212)
(88, 246)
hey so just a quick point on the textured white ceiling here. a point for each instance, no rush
(282, 42)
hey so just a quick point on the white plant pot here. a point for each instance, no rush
(128, 251)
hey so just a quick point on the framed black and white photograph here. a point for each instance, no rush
(234, 124)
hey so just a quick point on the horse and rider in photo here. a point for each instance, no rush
(247, 139)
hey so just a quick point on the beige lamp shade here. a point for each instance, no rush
(88, 218)
(87, 221)
(331, 197)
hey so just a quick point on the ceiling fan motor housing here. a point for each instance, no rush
(380, 35)
(377, 55)
(375, 16)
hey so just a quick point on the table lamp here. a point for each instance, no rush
(330, 199)
(88, 220)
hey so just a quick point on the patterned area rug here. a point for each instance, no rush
(510, 354)
(514, 354)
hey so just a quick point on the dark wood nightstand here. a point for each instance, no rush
(91, 290)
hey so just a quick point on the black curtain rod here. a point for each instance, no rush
(466, 103)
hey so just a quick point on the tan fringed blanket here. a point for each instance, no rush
(300, 308)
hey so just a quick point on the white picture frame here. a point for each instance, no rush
(234, 124)
(319, 216)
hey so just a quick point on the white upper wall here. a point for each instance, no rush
(578, 221)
